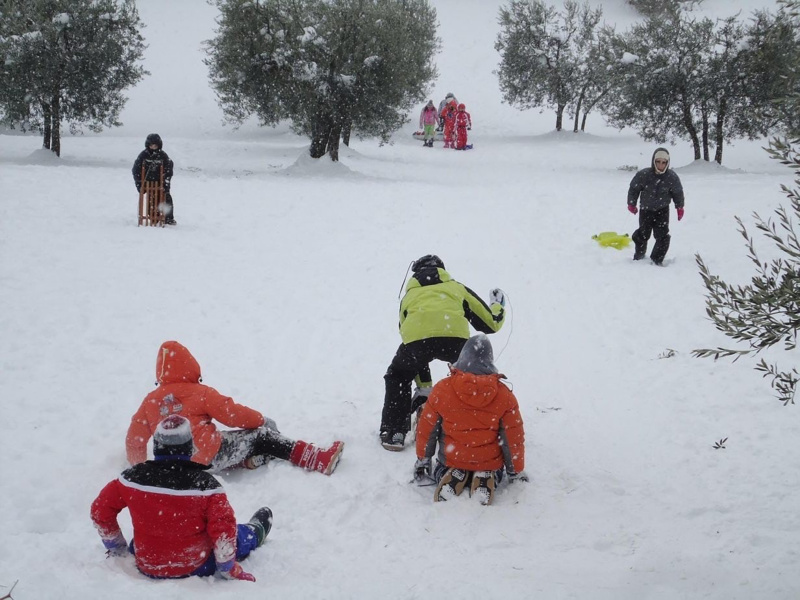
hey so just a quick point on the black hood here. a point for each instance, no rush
(153, 138)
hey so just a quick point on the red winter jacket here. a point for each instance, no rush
(180, 515)
(180, 392)
(476, 422)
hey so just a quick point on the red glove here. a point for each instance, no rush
(234, 571)
(680, 213)
(632, 209)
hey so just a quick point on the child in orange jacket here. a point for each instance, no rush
(449, 117)
(463, 124)
(475, 421)
(180, 392)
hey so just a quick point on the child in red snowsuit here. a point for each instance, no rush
(449, 116)
(463, 124)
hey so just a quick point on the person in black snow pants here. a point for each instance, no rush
(153, 158)
(655, 187)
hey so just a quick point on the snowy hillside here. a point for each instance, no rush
(282, 278)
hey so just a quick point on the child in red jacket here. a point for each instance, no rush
(449, 117)
(475, 421)
(463, 124)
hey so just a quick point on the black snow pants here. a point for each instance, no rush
(239, 444)
(412, 359)
(657, 223)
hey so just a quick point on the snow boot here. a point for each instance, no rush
(261, 522)
(394, 441)
(450, 485)
(256, 461)
(483, 486)
(312, 458)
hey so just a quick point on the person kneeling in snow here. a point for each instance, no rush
(180, 392)
(475, 420)
(183, 524)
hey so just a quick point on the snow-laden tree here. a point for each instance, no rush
(331, 66)
(710, 81)
(652, 8)
(544, 55)
(67, 61)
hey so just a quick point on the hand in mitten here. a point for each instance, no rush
(632, 209)
(497, 295)
(521, 476)
(116, 546)
(233, 570)
(422, 469)
(680, 213)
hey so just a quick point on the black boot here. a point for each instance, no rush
(640, 246)
(261, 522)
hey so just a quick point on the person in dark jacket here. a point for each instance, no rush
(183, 524)
(153, 158)
(435, 316)
(655, 187)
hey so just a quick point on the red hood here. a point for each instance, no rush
(175, 364)
(474, 390)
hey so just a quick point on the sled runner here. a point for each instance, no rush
(151, 201)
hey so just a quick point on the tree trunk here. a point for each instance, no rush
(719, 134)
(320, 135)
(560, 116)
(346, 133)
(689, 124)
(705, 133)
(56, 145)
(577, 112)
(47, 116)
(333, 142)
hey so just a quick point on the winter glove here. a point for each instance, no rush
(632, 209)
(233, 570)
(521, 476)
(116, 546)
(422, 469)
(497, 295)
(680, 213)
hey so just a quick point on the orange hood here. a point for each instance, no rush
(175, 364)
(474, 390)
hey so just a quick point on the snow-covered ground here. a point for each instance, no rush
(282, 278)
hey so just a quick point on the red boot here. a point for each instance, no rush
(310, 457)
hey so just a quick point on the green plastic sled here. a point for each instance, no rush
(612, 239)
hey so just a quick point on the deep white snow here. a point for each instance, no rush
(283, 277)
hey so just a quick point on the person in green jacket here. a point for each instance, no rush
(435, 317)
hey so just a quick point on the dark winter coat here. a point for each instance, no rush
(180, 515)
(153, 160)
(655, 191)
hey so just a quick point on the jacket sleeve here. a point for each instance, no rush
(227, 412)
(512, 435)
(635, 188)
(221, 527)
(676, 190)
(428, 427)
(105, 509)
(137, 171)
(139, 433)
(480, 316)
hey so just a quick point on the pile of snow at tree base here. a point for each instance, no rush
(282, 277)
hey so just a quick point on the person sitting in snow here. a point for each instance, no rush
(447, 99)
(427, 122)
(449, 117)
(475, 421)
(180, 392)
(183, 524)
(153, 158)
(435, 315)
(656, 186)
(463, 124)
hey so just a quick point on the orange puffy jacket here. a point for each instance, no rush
(475, 419)
(180, 391)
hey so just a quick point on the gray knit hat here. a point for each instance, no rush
(173, 437)
(476, 356)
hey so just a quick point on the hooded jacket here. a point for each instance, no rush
(153, 161)
(436, 305)
(180, 392)
(654, 190)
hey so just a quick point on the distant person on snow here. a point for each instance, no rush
(463, 124)
(447, 99)
(153, 158)
(474, 419)
(427, 122)
(449, 116)
(656, 186)
(180, 392)
(182, 522)
(435, 315)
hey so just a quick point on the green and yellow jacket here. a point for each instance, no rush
(436, 305)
